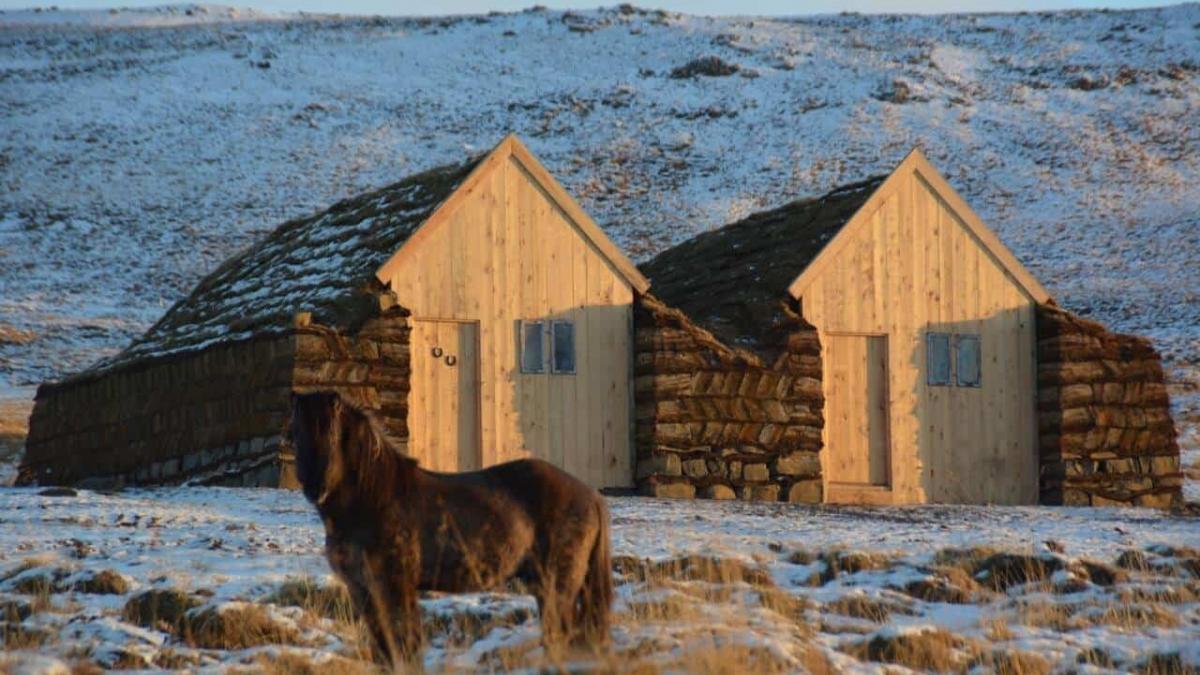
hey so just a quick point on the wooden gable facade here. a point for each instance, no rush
(522, 315)
(928, 328)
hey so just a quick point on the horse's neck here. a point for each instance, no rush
(381, 473)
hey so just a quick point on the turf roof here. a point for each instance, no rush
(732, 280)
(322, 264)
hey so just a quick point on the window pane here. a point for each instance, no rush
(967, 347)
(564, 347)
(531, 347)
(937, 358)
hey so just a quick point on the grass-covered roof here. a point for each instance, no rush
(732, 280)
(323, 264)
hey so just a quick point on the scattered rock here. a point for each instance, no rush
(707, 66)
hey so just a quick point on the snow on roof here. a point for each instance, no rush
(321, 264)
(732, 280)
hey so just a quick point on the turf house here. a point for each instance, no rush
(877, 345)
(880, 345)
(476, 308)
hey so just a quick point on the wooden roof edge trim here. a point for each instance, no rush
(588, 227)
(495, 157)
(984, 234)
(845, 235)
(916, 162)
(510, 147)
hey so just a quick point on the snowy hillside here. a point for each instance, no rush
(138, 148)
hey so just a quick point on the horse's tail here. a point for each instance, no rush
(597, 595)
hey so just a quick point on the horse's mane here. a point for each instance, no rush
(387, 439)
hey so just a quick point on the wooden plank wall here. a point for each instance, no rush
(509, 253)
(917, 268)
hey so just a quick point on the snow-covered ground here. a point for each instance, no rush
(776, 592)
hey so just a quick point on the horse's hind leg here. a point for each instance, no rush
(558, 593)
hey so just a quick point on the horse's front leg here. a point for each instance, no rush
(393, 614)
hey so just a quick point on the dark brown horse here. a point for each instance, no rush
(393, 529)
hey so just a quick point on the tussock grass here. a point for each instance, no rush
(331, 601)
(1002, 571)
(15, 636)
(1006, 662)
(293, 663)
(930, 650)
(877, 610)
(162, 609)
(947, 584)
(697, 568)
(235, 626)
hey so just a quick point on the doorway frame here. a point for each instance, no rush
(837, 492)
(477, 389)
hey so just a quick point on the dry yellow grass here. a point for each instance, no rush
(928, 650)
(236, 627)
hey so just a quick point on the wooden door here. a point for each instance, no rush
(856, 412)
(443, 406)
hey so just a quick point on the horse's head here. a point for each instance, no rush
(317, 439)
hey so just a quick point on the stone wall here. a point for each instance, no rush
(370, 367)
(1106, 434)
(218, 416)
(219, 412)
(721, 423)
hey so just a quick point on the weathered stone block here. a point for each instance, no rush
(1076, 498)
(798, 464)
(191, 462)
(1164, 465)
(805, 492)
(718, 491)
(756, 472)
(759, 493)
(664, 464)
(1156, 500)
(671, 490)
(695, 468)
(734, 470)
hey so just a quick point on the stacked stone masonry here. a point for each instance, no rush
(217, 416)
(720, 423)
(1106, 433)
